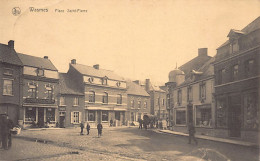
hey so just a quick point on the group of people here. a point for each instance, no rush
(6, 125)
(99, 128)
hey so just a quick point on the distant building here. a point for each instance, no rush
(105, 94)
(71, 102)
(138, 102)
(39, 91)
(237, 72)
(10, 82)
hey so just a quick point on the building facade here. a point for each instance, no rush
(237, 84)
(10, 81)
(39, 92)
(105, 94)
(138, 102)
(71, 102)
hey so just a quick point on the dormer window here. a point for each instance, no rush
(40, 72)
(104, 81)
(91, 79)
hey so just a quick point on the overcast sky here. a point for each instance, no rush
(137, 39)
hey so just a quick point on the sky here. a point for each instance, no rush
(136, 39)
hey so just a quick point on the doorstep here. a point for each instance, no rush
(223, 140)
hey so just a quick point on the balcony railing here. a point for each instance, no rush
(39, 100)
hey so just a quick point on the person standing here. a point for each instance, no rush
(81, 127)
(192, 132)
(88, 128)
(111, 123)
(4, 131)
(10, 126)
(99, 127)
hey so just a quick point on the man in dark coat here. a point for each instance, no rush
(4, 131)
(10, 126)
(140, 123)
(192, 132)
(99, 127)
(88, 128)
(81, 128)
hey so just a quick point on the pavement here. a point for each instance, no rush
(120, 144)
(205, 137)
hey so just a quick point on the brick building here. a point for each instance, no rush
(138, 102)
(237, 84)
(39, 91)
(10, 81)
(71, 102)
(105, 94)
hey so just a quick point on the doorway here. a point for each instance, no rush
(234, 117)
(41, 117)
(190, 113)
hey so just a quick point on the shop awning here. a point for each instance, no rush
(99, 108)
(40, 105)
(120, 109)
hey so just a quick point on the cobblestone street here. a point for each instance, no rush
(118, 144)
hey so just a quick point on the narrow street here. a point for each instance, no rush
(119, 144)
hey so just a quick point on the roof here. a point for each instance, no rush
(68, 86)
(135, 89)
(38, 62)
(9, 55)
(246, 30)
(194, 64)
(90, 71)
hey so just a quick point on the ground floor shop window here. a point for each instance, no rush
(221, 113)
(203, 116)
(132, 116)
(180, 117)
(117, 115)
(104, 115)
(50, 114)
(91, 115)
(75, 117)
(30, 114)
(251, 111)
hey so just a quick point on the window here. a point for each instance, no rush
(203, 116)
(249, 68)
(105, 98)
(8, 71)
(104, 81)
(158, 101)
(50, 114)
(117, 115)
(235, 73)
(139, 104)
(251, 111)
(180, 117)
(202, 91)
(163, 102)
(145, 104)
(75, 101)
(49, 89)
(91, 97)
(221, 76)
(8, 87)
(75, 117)
(132, 116)
(139, 116)
(119, 99)
(104, 115)
(30, 114)
(62, 101)
(190, 96)
(221, 112)
(179, 99)
(32, 90)
(91, 116)
(168, 101)
(132, 103)
(40, 72)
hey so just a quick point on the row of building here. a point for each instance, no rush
(34, 93)
(219, 94)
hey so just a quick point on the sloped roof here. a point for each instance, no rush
(194, 64)
(38, 62)
(135, 89)
(254, 25)
(90, 71)
(8, 55)
(68, 86)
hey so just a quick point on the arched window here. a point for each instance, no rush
(119, 99)
(105, 98)
(91, 97)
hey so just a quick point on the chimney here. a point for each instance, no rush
(45, 57)
(11, 44)
(137, 82)
(203, 51)
(147, 85)
(96, 66)
(73, 61)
